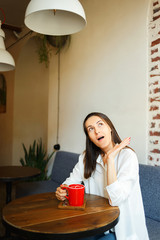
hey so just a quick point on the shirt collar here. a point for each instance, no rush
(100, 160)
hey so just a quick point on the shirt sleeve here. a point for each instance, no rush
(76, 176)
(127, 175)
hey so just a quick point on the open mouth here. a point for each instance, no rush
(100, 138)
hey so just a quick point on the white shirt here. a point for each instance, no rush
(124, 193)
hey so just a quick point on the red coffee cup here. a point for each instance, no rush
(75, 194)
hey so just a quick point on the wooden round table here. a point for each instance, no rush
(38, 217)
(10, 174)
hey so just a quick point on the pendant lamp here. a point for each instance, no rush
(6, 60)
(55, 17)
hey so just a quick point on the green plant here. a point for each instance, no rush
(44, 51)
(36, 157)
(59, 42)
(47, 42)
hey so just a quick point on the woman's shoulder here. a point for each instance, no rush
(127, 154)
(81, 157)
(128, 151)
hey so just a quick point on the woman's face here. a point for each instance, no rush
(99, 133)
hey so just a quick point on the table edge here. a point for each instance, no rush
(51, 236)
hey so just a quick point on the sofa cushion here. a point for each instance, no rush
(153, 229)
(150, 187)
(63, 164)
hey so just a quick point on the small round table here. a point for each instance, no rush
(39, 217)
(10, 174)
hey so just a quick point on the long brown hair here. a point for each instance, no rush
(92, 151)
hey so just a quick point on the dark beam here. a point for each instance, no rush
(11, 27)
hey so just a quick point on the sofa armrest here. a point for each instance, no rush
(150, 187)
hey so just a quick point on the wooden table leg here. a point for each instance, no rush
(8, 192)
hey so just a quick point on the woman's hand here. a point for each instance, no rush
(61, 193)
(110, 155)
(109, 160)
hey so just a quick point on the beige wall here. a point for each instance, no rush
(104, 69)
(6, 119)
(30, 100)
(6, 123)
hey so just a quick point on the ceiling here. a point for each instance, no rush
(14, 12)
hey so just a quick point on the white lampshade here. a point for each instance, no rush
(6, 60)
(55, 17)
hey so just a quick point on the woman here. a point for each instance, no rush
(109, 168)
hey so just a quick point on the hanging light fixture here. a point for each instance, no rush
(6, 60)
(55, 17)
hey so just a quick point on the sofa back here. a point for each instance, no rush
(150, 187)
(63, 164)
(149, 180)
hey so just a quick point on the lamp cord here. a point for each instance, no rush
(3, 16)
(58, 97)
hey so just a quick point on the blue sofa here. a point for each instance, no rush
(63, 164)
(59, 169)
(150, 187)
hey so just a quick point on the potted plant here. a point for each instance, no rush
(36, 156)
(47, 43)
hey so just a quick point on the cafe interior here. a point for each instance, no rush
(108, 62)
(104, 68)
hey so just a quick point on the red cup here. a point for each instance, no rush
(75, 194)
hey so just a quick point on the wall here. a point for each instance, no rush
(104, 69)
(154, 83)
(6, 123)
(30, 100)
(6, 119)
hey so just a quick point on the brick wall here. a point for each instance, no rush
(154, 83)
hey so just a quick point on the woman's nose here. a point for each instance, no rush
(96, 130)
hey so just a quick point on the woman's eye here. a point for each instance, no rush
(90, 129)
(100, 124)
